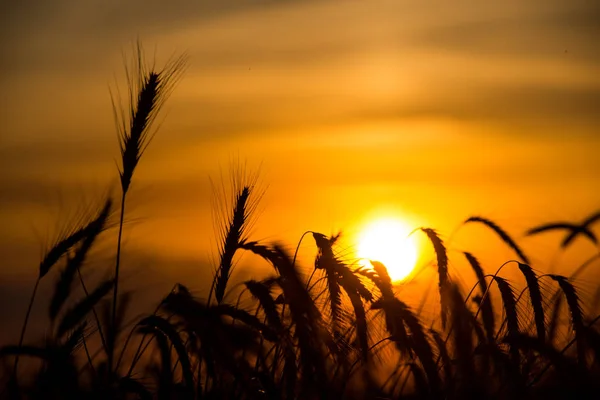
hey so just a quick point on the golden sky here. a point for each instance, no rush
(431, 110)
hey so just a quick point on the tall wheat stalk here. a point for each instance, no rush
(148, 90)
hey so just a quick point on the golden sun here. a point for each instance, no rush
(385, 240)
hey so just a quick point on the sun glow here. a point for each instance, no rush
(385, 240)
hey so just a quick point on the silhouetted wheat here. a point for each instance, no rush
(148, 90)
(349, 334)
(442, 267)
(585, 226)
(394, 323)
(339, 275)
(76, 314)
(573, 229)
(161, 326)
(535, 296)
(219, 350)
(510, 309)
(503, 235)
(261, 291)
(487, 311)
(88, 229)
(231, 242)
(398, 315)
(63, 285)
(576, 314)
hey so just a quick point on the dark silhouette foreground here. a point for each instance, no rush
(344, 332)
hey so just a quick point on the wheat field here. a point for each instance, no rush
(342, 331)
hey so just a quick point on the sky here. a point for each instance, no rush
(430, 111)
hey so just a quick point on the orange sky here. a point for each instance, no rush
(434, 110)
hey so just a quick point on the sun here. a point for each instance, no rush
(386, 240)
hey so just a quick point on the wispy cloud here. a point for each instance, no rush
(334, 98)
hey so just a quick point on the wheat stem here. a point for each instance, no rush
(298, 247)
(85, 291)
(116, 287)
(35, 288)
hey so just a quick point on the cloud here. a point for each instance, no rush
(546, 32)
(499, 105)
(290, 82)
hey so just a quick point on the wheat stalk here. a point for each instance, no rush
(148, 90)
(576, 314)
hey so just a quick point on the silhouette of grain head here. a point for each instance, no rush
(420, 344)
(231, 241)
(572, 300)
(325, 256)
(409, 336)
(394, 324)
(586, 225)
(261, 291)
(79, 311)
(575, 312)
(357, 292)
(476, 266)
(62, 287)
(502, 234)
(196, 317)
(487, 311)
(149, 88)
(382, 280)
(535, 295)
(160, 326)
(510, 309)
(352, 283)
(442, 268)
(325, 260)
(339, 275)
(309, 331)
(335, 300)
(295, 292)
(573, 230)
(234, 208)
(74, 236)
